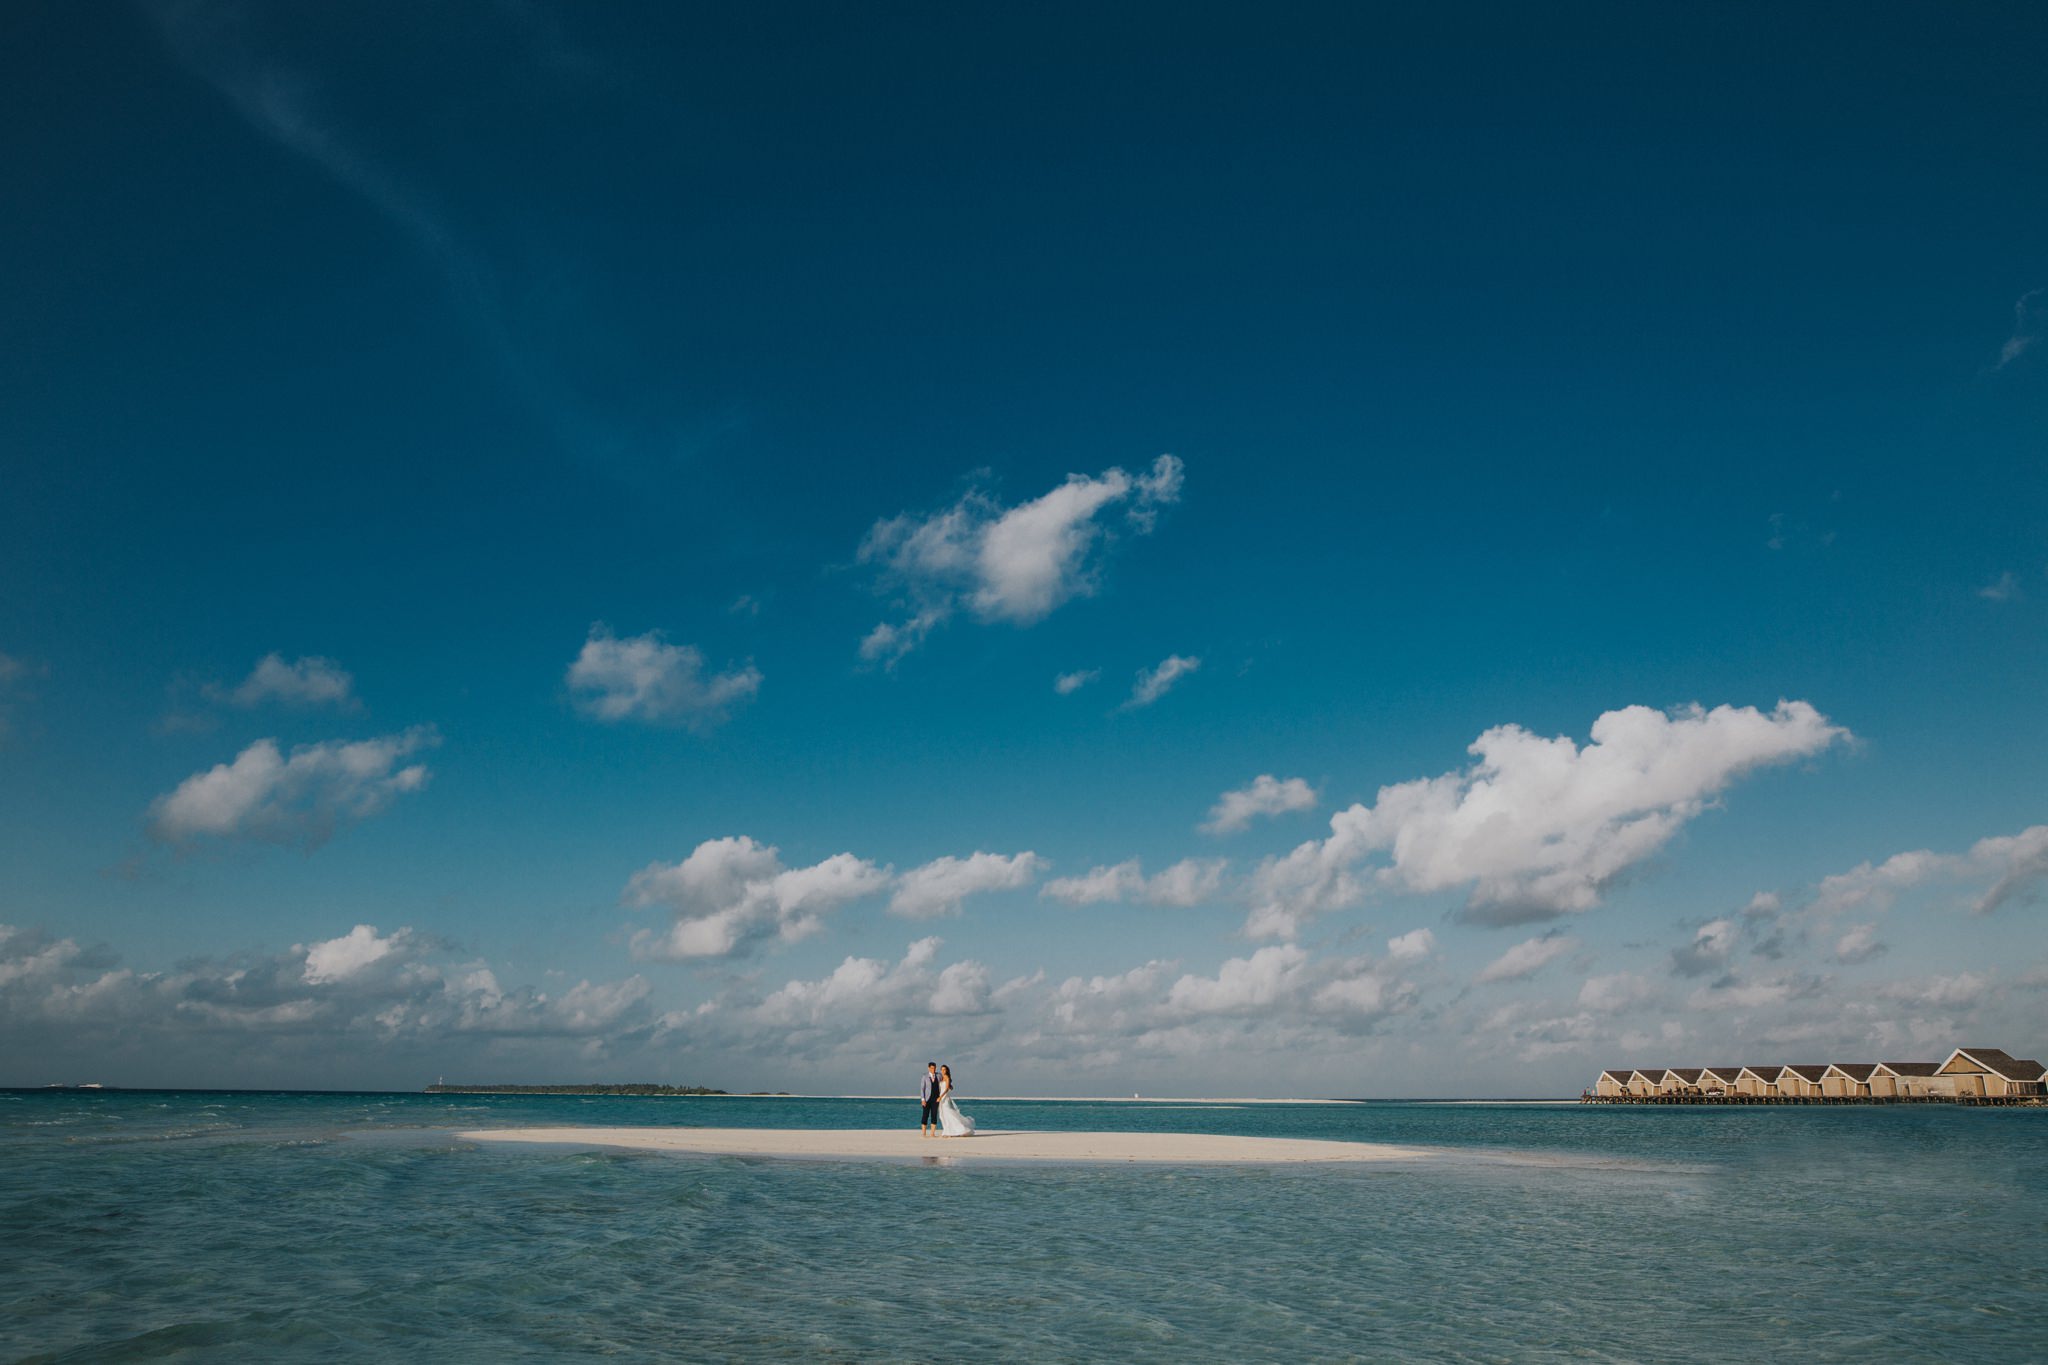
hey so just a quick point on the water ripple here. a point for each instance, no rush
(240, 1228)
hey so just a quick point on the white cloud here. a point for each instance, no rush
(733, 893)
(339, 959)
(319, 1009)
(862, 993)
(2029, 315)
(1412, 946)
(1757, 993)
(2003, 588)
(645, 678)
(2012, 864)
(1029, 559)
(1242, 984)
(1154, 683)
(1015, 564)
(1713, 944)
(1186, 883)
(301, 799)
(887, 643)
(1877, 886)
(27, 956)
(308, 681)
(1267, 795)
(1156, 488)
(1066, 684)
(1278, 1004)
(2016, 862)
(1527, 958)
(1614, 993)
(1536, 827)
(1953, 991)
(1860, 944)
(1282, 981)
(938, 887)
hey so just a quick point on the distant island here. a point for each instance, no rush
(443, 1088)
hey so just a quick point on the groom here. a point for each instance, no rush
(928, 1094)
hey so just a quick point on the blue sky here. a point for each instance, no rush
(459, 463)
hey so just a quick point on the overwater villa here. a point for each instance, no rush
(1759, 1082)
(1801, 1082)
(1971, 1075)
(1720, 1080)
(1901, 1080)
(1847, 1080)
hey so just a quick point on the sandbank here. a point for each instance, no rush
(906, 1144)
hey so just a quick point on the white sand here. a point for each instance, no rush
(906, 1144)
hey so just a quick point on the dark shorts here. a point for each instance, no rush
(931, 1112)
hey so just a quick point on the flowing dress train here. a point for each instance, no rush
(952, 1122)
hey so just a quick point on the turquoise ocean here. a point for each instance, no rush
(143, 1225)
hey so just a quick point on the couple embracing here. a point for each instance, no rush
(936, 1095)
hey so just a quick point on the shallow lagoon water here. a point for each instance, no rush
(146, 1225)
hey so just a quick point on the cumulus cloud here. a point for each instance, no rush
(1860, 944)
(1282, 980)
(1066, 684)
(361, 948)
(303, 682)
(1757, 993)
(1412, 946)
(29, 955)
(863, 1009)
(1009, 564)
(1243, 983)
(1186, 883)
(300, 799)
(1154, 683)
(1713, 944)
(1277, 1001)
(1526, 958)
(938, 887)
(1267, 795)
(1954, 990)
(1615, 992)
(2007, 867)
(644, 678)
(1876, 886)
(1536, 828)
(1762, 925)
(2017, 863)
(326, 1005)
(732, 894)
(862, 993)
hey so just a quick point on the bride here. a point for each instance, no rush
(952, 1123)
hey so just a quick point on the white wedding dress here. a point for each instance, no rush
(952, 1122)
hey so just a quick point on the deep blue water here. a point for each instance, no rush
(160, 1225)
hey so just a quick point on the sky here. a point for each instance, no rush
(1169, 550)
